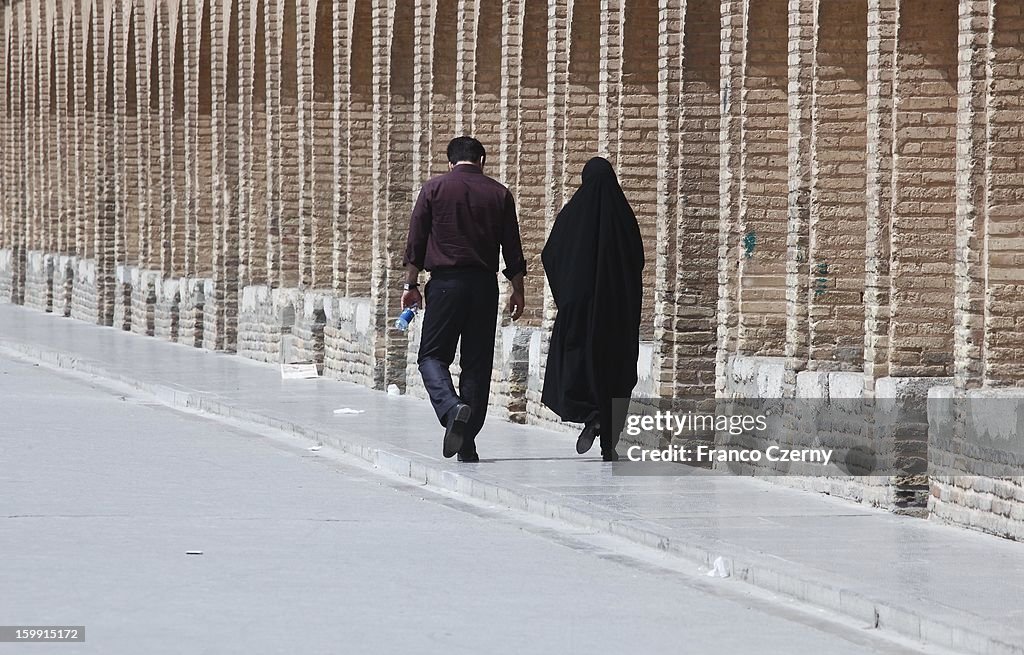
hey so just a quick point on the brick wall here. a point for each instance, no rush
(828, 191)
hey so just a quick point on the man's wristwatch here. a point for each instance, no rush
(408, 286)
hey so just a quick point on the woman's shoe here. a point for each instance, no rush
(586, 439)
(610, 455)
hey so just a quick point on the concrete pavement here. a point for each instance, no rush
(104, 494)
(941, 585)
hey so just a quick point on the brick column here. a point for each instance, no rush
(882, 19)
(465, 65)
(5, 124)
(49, 223)
(342, 15)
(120, 289)
(359, 172)
(974, 129)
(1002, 270)
(272, 36)
(304, 45)
(733, 37)
(486, 76)
(191, 15)
(164, 38)
(670, 101)
(637, 136)
(245, 26)
(76, 77)
(323, 119)
(220, 334)
(104, 165)
(801, 78)
(33, 44)
(423, 83)
(612, 23)
(558, 17)
(65, 198)
(444, 68)
(141, 176)
(531, 152)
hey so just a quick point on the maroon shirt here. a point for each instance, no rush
(460, 220)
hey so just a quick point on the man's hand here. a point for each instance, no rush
(517, 299)
(516, 304)
(412, 297)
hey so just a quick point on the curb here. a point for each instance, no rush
(880, 615)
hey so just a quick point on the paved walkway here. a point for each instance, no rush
(943, 585)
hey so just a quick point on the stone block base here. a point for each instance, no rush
(39, 281)
(84, 297)
(167, 309)
(976, 458)
(349, 338)
(143, 301)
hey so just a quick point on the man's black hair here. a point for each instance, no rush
(466, 148)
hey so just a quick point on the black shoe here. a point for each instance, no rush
(586, 439)
(458, 417)
(469, 458)
(610, 455)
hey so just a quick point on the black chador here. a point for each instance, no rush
(594, 259)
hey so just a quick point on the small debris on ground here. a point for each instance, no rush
(348, 410)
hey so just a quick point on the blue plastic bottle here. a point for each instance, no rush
(406, 318)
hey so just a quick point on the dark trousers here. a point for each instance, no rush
(460, 305)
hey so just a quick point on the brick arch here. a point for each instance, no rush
(179, 218)
(133, 192)
(531, 181)
(322, 147)
(1004, 335)
(583, 89)
(84, 74)
(106, 218)
(256, 237)
(764, 180)
(289, 222)
(487, 80)
(924, 195)
(638, 136)
(696, 292)
(53, 219)
(360, 178)
(202, 194)
(444, 65)
(838, 220)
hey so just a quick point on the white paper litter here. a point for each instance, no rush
(348, 410)
(719, 569)
(299, 371)
(315, 448)
(393, 390)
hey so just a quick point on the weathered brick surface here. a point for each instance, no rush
(829, 192)
(348, 339)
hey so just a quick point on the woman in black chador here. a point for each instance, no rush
(593, 260)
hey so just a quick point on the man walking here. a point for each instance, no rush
(459, 222)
